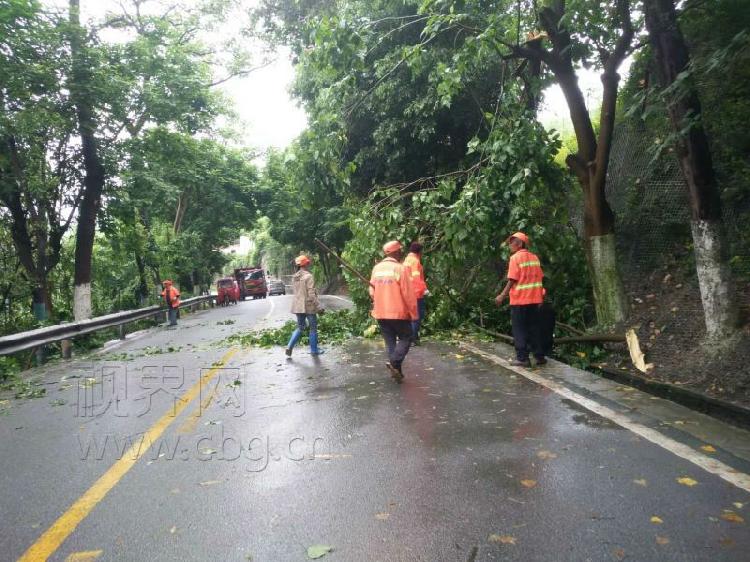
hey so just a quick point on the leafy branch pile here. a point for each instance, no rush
(22, 388)
(333, 328)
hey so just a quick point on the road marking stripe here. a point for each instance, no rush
(190, 423)
(50, 541)
(84, 556)
(724, 471)
(267, 316)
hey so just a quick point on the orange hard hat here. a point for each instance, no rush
(519, 236)
(392, 246)
(302, 260)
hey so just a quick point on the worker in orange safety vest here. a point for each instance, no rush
(394, 305)
(172, 299)
(526, 295)
(414, 262)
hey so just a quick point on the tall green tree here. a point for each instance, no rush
(39, 179)
(436, 144)
(304, 191)
(161, 76)
(72, 101)
(672, 64)
(555, 39)
(83, 97)
(183, 199)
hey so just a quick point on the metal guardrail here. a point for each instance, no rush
(43, 336)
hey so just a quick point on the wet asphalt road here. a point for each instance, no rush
(463, 461)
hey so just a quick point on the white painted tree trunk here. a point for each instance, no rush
(714, 280)
(82, 302)
(609, 295)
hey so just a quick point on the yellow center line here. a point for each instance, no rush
(188, 426)
(61, 529)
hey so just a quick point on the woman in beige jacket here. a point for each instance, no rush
(305, 305)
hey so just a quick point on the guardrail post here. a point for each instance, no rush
(39, 356)
(66, 347)
(121, 331)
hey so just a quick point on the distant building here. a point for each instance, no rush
(243, 247)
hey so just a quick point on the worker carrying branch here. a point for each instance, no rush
(526, 295)
(394, 305)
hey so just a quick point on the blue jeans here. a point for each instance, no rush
(415, 324)
(303, 320)
(172, 313)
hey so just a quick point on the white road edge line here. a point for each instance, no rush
(273, 305)
(739, 479)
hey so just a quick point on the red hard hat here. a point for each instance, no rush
(519, 236)
(392, 246)
(302, 260)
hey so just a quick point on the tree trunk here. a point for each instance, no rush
(142, 282)
(590, 163)
(590, 167)
(40, 300)
(31, 249)
(694, 155)
(93, 184)
(182, 204)
(196, 283)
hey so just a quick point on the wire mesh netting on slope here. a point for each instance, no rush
(650, 202)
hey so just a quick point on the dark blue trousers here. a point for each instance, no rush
(397, 335)
(525, 319)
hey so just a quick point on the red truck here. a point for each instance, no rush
(227, 290)
(252, 282)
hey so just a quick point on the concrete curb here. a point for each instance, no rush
(715, 407)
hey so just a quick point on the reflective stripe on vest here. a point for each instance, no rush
(386, 275)
(528, 286)
(529, 264)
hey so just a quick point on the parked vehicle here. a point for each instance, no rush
(252, 282)
(276, 287)
(227, 291)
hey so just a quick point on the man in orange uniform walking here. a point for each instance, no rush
(172, 299)
(526, 294)
(394, 305)
(414, 262)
